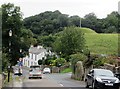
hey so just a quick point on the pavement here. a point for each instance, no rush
(16, 82)
(0, 81)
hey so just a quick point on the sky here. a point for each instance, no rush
(101, 8)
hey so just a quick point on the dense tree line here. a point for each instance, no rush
(52, 22)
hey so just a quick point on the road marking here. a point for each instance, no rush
(61, 85)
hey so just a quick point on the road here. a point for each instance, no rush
(52, 81)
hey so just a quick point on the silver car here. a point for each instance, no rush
(35, 73)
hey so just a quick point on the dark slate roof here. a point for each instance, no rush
(36, 50)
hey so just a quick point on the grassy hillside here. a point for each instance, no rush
(87, 30)
(101, 43)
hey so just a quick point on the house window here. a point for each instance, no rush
(31, 63)
(28, 63)
(35, 57)
(32, 56)
(28, 55)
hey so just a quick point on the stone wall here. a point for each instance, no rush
(55, 69)
(110, 67)
(79, 71)
(64, 67)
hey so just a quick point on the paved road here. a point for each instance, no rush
(65, 80)
(51, 81)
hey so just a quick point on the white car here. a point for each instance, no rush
(46, 70)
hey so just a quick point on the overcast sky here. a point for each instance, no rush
(71, 7)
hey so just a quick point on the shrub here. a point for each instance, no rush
(101, 60)
(60, 62)
(74, 58)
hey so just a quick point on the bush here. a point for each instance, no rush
(60, 62)
(101, 60)
(74, 58)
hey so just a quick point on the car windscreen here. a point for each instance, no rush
(46, 69)
(103, 73)
(34, 69)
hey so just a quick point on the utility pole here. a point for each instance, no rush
(80, 22)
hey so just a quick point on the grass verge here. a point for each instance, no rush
(67, 70)
(5, 82)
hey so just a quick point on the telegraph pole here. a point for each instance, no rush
(80, 22)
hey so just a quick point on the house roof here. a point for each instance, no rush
(36, 50)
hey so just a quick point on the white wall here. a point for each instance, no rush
(29, 60)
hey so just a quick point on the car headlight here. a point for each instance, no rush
(117, 81)
(98, 79)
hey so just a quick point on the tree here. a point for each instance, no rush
(74, 21)
(20, 39)
(26, 40)
(110, 24)
(40, 62)
(90, 21)
(46, 40)
(70, 41)
(46, 23)
(12, 20)
(60, 62)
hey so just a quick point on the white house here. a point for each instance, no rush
(35, 54)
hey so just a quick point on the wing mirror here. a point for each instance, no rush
(90, 75)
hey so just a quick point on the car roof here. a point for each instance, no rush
(101, 70)
(46, 68)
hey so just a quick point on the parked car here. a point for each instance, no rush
(46, 70)
(35, 72)
(101, 78)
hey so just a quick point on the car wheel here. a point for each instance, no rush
(87, 86)
(94, 86)
(29, 77)
(40, 77)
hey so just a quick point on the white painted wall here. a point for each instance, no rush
(32, 59)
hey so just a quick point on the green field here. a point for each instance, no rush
(101, 43)
(87, 30)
